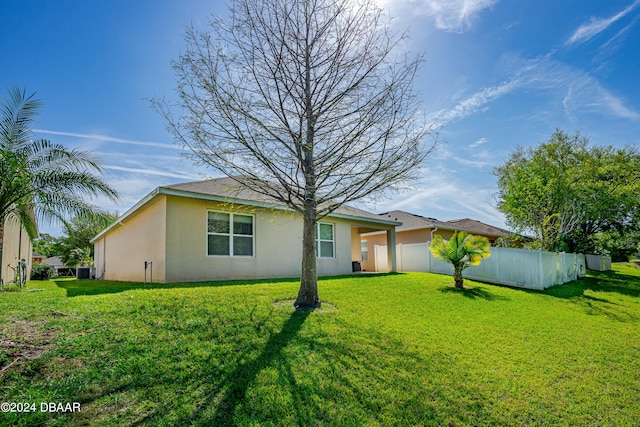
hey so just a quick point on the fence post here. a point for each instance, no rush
(498, 252)
(540, 269)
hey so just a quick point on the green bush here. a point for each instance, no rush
(620, 246)
(42, 271)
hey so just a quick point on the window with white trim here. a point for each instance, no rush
(230, 234)
(364, 250)
(325, 243)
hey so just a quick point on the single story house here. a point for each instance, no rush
(36, 258)
(420, 229)
(15, 245)
(61, 269)
(214, 230)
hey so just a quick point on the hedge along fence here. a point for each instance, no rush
(506, 266)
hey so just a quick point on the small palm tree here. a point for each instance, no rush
(462, 250)
(39, 179)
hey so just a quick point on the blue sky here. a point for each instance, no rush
(497, 74)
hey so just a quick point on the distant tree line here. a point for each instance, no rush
(573, 196)
(74, 248)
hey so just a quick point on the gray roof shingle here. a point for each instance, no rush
(412, 222)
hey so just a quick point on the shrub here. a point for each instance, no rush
(42, 271)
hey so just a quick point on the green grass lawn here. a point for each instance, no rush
(401, 349)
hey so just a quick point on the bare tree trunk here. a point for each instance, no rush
(308, 293)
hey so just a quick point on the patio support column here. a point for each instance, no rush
(391, 249)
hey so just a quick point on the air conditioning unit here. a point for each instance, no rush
(85, 273)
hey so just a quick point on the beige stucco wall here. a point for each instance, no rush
(373, 240)
(16, 245)
(402, 237)
(278, 244)
(171, 231)
(140, 237)
(356, 247)
(422, 235)
(413, 236)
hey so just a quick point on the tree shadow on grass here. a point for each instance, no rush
(472, 293)
(613, 281)
(76, 288)
(245, 373)
(600, 282)
(607, 281)
(298, 375)
(227, 399)
(223, 386)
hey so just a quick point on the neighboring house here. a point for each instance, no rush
(213, 230)
(61, 269)
(420, 229)
(36, 258)
(15, 245)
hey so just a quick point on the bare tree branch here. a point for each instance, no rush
(308, 102)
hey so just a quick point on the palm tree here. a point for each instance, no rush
(40, 180)
(462, 250)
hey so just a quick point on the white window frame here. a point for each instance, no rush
(364, 244)
(231, 235)
(333, 240)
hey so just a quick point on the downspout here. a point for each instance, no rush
(104, 257)
(19, 264)
(432, 232)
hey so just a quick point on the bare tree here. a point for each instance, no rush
(309, 102)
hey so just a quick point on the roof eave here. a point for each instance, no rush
(224, 199)
(364, 218)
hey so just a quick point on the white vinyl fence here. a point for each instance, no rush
(506, 266)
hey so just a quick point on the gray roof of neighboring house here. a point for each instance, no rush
(54, 261)
(411, 221)
(229, 191)
(479, 227)
(414, 222)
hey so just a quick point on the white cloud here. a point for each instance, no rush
(456, 15)
(597, 25)
(588, 95)
(613, 45)
(449, 15)
(480, 160)
(479, 143)
(131, 190)
(441, 196)
(579, 91)
(467, 156)
(155, 172)
(475, 103)
(105, 138)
